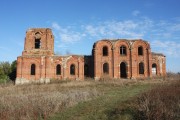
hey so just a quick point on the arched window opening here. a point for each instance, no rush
(86, 70)
(33, 69)
(37, 40)
(72, 69)
(37, 43)
(122, 50)
(140, 50)
(58, 69)
(105, 51)
(154, 69)
(123, 70)
(106, 68)
(141, 68)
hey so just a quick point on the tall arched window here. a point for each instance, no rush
(33, 69)
(141, 68)
(58, 69)
(37, 43)
(105, 51)
(140, 50)
(122, 50)
(105, 68)
(72, 69)
(37, 40)
(154, 69)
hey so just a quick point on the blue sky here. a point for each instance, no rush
(77, 24)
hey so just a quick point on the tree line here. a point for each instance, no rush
(7, 71)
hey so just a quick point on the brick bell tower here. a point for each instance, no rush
(34, 63)
(39, 41)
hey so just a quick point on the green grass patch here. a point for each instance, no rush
(103, 106)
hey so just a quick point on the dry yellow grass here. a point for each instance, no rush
(40, 101)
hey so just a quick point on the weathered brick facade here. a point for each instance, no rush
(119, 58)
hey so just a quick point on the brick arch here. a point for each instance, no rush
(34, 61)
(154, 68)
(142, 43)
(57, 61)
(68, 68)
(58, 69)
(72, 60)
(37, 31)
(157, 67)
(79, 66)
(99, 48)
(102, 43)
(37, 69)
(145, 49)
(122, 42)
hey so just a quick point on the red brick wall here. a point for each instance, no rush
(99, 59)
(46, 62)
(47, 42)
(160, 61)
(131, 59)
(118, 58)
(145, 58)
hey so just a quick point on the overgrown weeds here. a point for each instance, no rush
(162, 102)
(41, 101)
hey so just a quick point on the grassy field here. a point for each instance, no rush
(83, 100)
(101, 107)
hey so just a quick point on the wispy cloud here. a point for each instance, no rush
(117, 29)
(135, 12)
(4, 48)
(56, 26)
(160, 33)
(170, 48)
(67, 35)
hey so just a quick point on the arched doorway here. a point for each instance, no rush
(106, 68)
(86, 70)
(123, 70)
(58, 69)
(154, 69)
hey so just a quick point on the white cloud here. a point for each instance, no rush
(169, 48)
(135, 13)
(66, 35)
(91, 30)
(55, 26)
(161, 34)
(70, 37)
(126, 29)
(4, 48)
(175, 27)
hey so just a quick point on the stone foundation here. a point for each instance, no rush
(20, 81)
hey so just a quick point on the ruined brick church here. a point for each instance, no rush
(119, 58)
